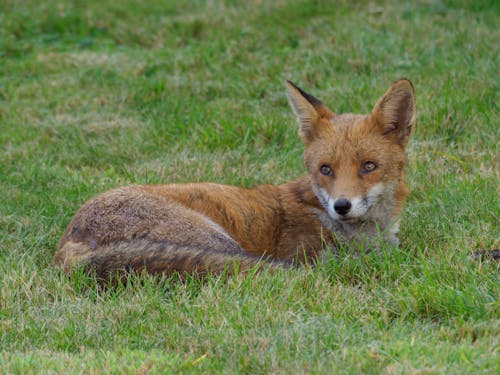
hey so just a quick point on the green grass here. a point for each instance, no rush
(96, 94)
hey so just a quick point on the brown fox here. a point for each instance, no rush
(352, 195)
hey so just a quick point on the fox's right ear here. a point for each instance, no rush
(308, 110)
(394, 113)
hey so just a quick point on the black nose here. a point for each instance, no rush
(342, 206)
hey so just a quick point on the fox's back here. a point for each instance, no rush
(250, 216)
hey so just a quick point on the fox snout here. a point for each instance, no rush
(342, 206)
(346, 208)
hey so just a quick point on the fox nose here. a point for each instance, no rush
(342, 206)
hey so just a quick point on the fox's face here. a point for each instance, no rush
(356, 162)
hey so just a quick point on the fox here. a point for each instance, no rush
(352, 196)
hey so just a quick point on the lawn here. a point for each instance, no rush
(97, 94)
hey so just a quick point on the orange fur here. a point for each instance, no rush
(199, 228)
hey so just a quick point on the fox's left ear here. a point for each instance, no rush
(308, 109)
(395, 112)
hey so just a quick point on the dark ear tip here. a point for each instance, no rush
(311, 99)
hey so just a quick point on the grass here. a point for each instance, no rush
(98, 94)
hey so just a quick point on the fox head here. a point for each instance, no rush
(356, 162)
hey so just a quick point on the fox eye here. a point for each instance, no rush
(325, 170)
(368, 166)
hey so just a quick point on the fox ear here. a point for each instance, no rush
(308, 110)
(395, 113)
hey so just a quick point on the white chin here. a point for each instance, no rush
(333, 215)
(346, 219)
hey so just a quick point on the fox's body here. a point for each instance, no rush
(354, 193)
